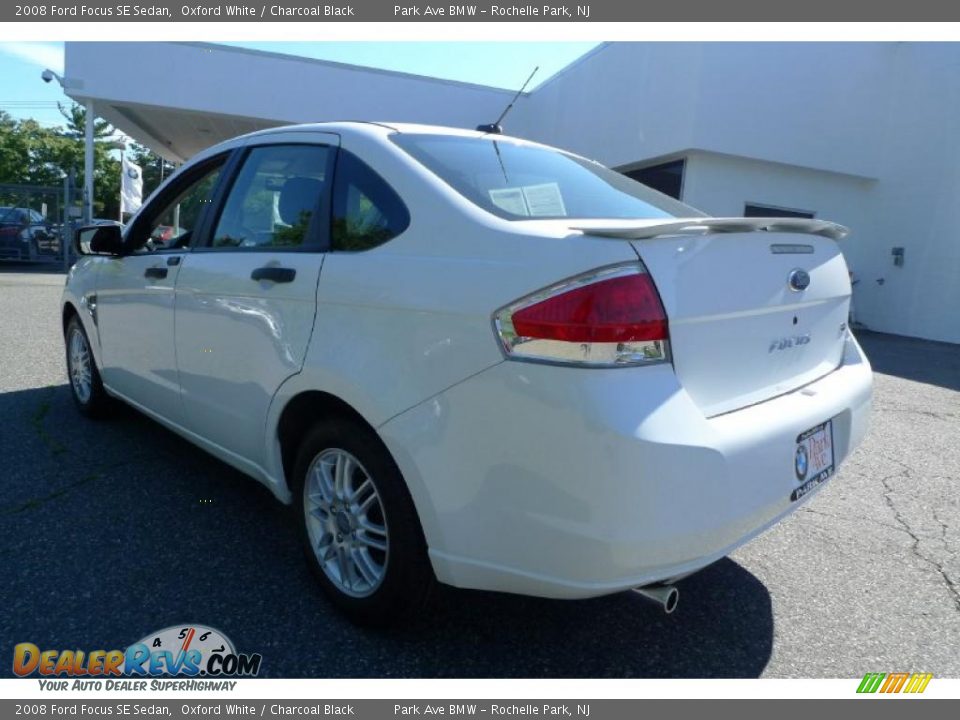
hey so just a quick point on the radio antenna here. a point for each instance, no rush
(495, 128)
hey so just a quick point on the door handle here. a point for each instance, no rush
(172, 261)
(155, 272)
(276, 274)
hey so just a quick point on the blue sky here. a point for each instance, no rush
(24, 94)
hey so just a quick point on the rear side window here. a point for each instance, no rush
(366, 211)
(518, 181)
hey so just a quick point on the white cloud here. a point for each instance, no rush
(43, 55)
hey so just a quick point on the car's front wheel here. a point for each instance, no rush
(358, 524)
(85, 383)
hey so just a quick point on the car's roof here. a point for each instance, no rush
(359, 128)
(369, 127)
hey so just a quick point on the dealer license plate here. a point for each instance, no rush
(813, 459)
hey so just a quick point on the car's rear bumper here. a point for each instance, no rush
(565, 482)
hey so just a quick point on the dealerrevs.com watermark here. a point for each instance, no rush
(199, 657)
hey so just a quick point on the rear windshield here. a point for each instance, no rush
(520, 182)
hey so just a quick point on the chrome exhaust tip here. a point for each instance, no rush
(666, 596)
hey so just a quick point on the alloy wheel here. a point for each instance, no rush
(346, 523)
(81, 374)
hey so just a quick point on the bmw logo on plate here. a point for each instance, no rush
(801, 462)
(132, 173)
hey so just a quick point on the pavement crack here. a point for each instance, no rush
(946, 417)
(97, 474)
(34, 503)
(888, 494)
(864, 518)
(38, 422)
(943, 532)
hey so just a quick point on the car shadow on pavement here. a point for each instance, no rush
(923, 361)
(723, 627)
(112, 530)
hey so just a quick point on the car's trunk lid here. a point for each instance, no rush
(739, 332)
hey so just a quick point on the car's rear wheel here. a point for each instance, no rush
(359, 526)
(86, 386)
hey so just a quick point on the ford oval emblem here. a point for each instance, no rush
(798, 280)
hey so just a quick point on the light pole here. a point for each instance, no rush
(47, 76)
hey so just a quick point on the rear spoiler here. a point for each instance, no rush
(708, 225)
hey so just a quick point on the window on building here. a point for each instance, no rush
(755, 210)
(666, 177)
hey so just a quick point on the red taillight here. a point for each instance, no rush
(607, 317)
(619, 309)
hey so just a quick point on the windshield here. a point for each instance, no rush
(521, 182)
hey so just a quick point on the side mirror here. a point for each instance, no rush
(99, 240)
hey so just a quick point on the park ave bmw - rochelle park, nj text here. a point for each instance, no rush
(292, 709)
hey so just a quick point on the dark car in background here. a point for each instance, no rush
(25, 234)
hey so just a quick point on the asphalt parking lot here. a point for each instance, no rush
(111, 530)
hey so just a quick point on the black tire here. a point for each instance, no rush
(407, 579)
(95, 404)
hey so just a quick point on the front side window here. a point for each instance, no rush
(366, 210)
(274, 199)
(517, 181)
(171, 226)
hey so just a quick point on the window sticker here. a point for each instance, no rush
(531, 200)
(544, 200)
(511, 200)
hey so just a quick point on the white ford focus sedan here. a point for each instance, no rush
(472, 359)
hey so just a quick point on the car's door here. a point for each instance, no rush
(135, 295)
(246, 297)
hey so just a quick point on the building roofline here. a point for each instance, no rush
(570, 66)
(341, 65)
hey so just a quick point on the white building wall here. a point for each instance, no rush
(862, 133)
(806, 104)
(722, 184)
(917, 203)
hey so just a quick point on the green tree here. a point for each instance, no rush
(76, 117)
(34, 155)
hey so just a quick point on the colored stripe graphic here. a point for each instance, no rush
(918, 682)
(870, 682)
(894, 682)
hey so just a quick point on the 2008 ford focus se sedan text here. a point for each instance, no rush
(472, 359)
